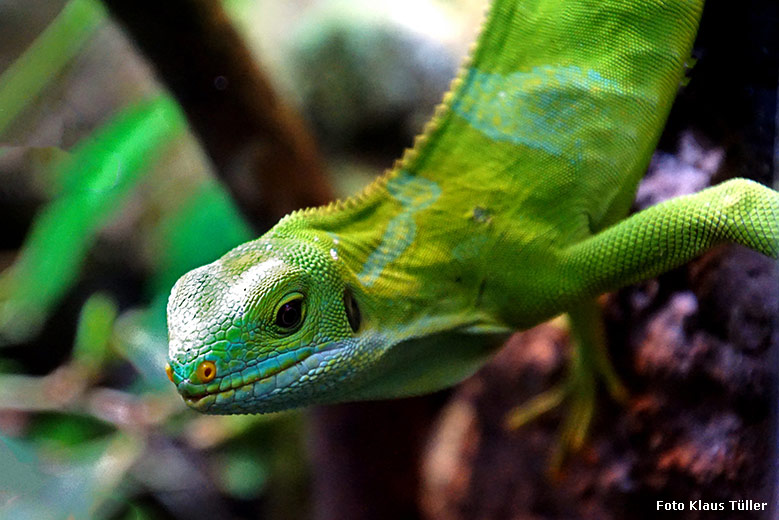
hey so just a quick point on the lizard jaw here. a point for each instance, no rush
(248, 396)
(256, 387)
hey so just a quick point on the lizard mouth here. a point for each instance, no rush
(266, 377)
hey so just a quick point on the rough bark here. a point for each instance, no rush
(700, 365)
(697, 347)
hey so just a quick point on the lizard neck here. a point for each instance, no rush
(426, 254)
(382, 241)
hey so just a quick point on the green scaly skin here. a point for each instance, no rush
(508, 211)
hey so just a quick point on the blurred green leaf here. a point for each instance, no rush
(137, 513)
(19, 471)
(142, 339)
(95, 328)
(61, 431)
(96, 179)
(275, 446)
(31, 72)
(206, 227)
(78, 487)
(241, 476)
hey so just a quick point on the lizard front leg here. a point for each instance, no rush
(668, 235)
(648, 243)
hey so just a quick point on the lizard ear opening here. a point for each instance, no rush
(352, 310)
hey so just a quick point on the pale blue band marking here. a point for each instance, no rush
(534, 108)
(414, 194)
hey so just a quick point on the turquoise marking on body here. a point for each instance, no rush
(414, 194)
(533, 108)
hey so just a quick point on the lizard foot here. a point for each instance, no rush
(589, 365)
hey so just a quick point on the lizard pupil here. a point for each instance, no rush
(289, 314)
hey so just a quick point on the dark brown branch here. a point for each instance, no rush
(259, 147)
(366, 457)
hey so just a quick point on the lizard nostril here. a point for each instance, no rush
(206, 371)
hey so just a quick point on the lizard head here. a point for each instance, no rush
(262, 329)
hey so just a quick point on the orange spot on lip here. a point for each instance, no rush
(169, 372)
(206, 371)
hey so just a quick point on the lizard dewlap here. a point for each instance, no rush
(509, 210)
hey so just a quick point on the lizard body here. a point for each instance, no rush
(508, 210)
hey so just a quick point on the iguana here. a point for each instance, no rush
(509, 210)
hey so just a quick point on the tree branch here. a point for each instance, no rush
(260, 147)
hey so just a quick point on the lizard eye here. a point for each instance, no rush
(290, 313)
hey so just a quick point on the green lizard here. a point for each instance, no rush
(509, 210)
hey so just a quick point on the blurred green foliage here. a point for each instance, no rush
(48, 55)
(93, 181)
(83, 440)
